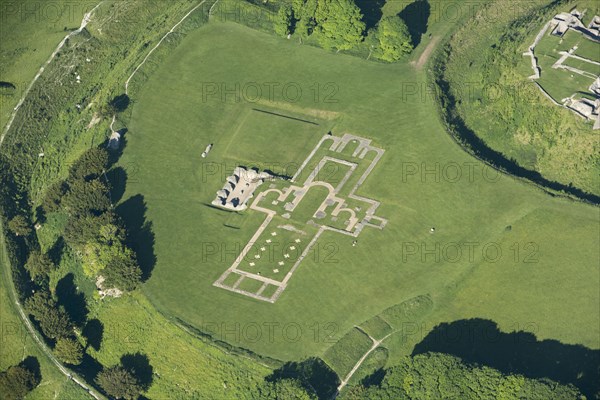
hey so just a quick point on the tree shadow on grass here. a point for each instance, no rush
(416, 16)
(373, 379)
(139, 232)
(313, 373)
(371, 11)
(89, 368)
(93, 333)
(480, 341)
(56, 251)
(139, 365)
(117, 178)
(115, 154)
(72, 300)
(32, 364)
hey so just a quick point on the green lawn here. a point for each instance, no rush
(561, 83)
(171, 125)
(343, 355)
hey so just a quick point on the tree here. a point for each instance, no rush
(437, 376)
(394, 39)
(87, 228)
(123, 273)
(283, 390)
(119, 383)
(87, 197)
(69, 351)
(20, 225)
(39, 265)
(17, 381)
(304, 15)
(53, 197)
(53, 320)
(339, 24)
(115, 106)
(90, 165)
(283, 21)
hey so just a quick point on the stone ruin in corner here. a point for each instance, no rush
(239, 188)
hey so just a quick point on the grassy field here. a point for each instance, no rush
(205, 93)
(30, 31)
(194, 245)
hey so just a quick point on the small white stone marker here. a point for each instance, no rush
(297, 240)
(281, 263)
(292, 247)
(286, 256)
(273, 233)
(257, 256)
(268, 240)
(262, 249)
(276, 270)
(252, 264)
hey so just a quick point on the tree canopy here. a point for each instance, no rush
(69, 350)
(20, 225)
(442, 376)
(39, 265)
(93, 230)
(393, 39)
(283, 21)
(119, 383)
(339, 24)
(53, 320)
(17, 381)
(90, 165)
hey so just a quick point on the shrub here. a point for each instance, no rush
(17, 381)
(20, 225)
(119, 383)
(69, 351)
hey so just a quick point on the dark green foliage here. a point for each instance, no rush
(17, 381)
(86, 197)
(284, 389)
(90, 165)
(283, 21)
(87, 227)
(53, 197)
(313, 374)
(39, 265)
(119, 383)
(122, 272)
(5, 178)
(115, 106)
(442, 376)
(69, 350)
(53, 320)
(20, 225)
(120, 103)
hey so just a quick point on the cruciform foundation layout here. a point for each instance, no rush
(294, 223)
